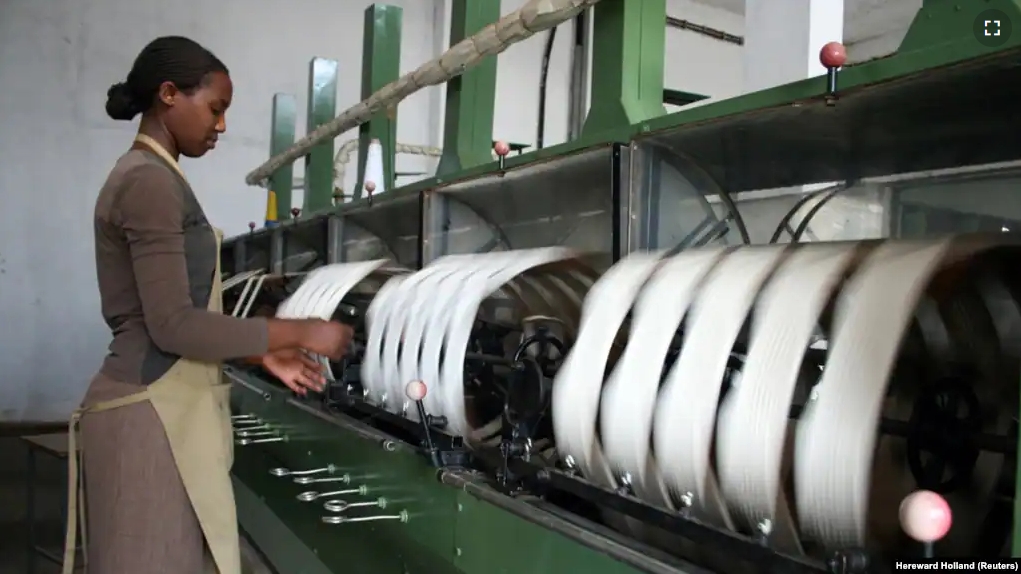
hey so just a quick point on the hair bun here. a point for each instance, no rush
(121, 103)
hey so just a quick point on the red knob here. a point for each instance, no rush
(833, 55)
(501, 148)
(295, 212)
(251, 226)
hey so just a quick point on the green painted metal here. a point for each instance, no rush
(471, 97)
(381, 64)
(941, 53)
(851, 78)
(449, 530)
(681, 98)
(629, 40)
(274, 539)
(281, 137)
(425, 544)
(491, 540)
(949, 21)
(322, 106)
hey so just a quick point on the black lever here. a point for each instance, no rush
(416, 391)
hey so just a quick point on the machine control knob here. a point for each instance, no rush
(251, 226)
(295, 212)
(926, 517)
(416, 391)
(501, 149)
(370, 188)
(833, 56)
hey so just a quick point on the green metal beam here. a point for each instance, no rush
(281, 137)
(944, 21)
(322, 106)
(381, 64)
(471, 97)
(628, 44)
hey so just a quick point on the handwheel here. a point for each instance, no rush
(941, 450)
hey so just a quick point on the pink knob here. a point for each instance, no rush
(833, 55)
(416, 390)
(370, 186)
(501, 148)
(251, 226)
(295, 212)
(925, 516)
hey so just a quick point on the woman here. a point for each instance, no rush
(155, 428)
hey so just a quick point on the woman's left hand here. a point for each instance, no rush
(297, 370)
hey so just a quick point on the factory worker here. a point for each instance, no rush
(155, 432)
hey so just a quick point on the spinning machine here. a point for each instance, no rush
(658, 351)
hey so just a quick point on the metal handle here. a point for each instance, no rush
(248, 441)
(246, 423)
(343, 505)
(288, 472)
(256, 433)
(401, 516)
(249, 386)
(311, 495)
(242, 417)
(345, 478)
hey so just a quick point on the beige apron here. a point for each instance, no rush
(193, 405)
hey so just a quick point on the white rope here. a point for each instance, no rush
(876, 288)
(323, 289)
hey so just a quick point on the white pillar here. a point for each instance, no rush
(783, 39)
(782, 43)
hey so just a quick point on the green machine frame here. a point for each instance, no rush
(452, 522)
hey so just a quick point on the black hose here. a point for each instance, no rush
(543, 75)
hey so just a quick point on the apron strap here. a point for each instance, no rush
(75, 485)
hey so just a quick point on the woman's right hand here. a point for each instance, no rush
(330, 339)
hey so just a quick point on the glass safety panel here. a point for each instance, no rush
(565, 201)
(385, 228)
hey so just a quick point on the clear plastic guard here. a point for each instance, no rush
(387, 228)
(676, 205)
(567, 201)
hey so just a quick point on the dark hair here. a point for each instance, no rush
(168, 59)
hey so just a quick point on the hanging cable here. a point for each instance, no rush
(704, 31)
(543, 75)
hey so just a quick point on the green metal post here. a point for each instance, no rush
(322, 106)
(381, 64)
(281, 137)
(471, 97)
(628, 44)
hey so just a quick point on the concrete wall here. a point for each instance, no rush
(58, 57)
